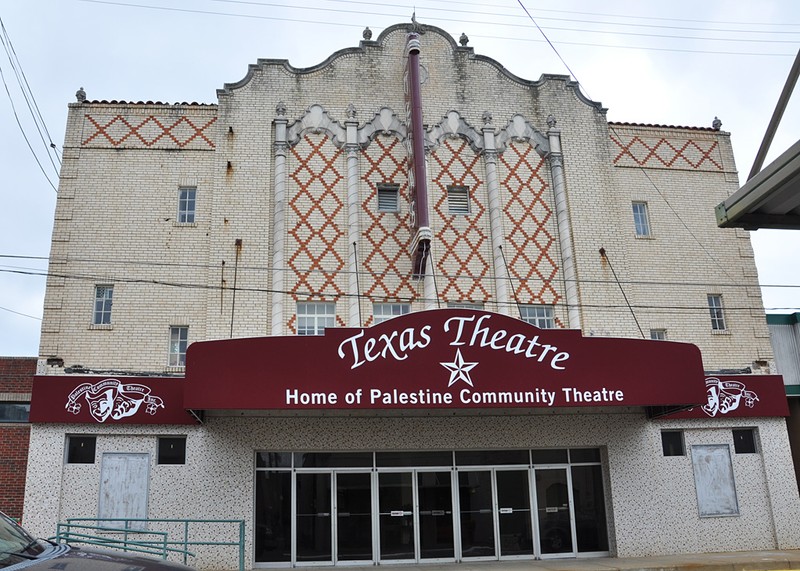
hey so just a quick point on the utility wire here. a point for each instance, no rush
(323, 295)
(612, 128)
(734, 284)
(27, 94)
(434, 19)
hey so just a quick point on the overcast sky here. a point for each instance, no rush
(681, 62)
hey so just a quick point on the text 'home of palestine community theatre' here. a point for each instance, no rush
(434, 312)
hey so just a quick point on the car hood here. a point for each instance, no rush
(72, 558)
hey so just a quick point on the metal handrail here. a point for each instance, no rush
(126, 528)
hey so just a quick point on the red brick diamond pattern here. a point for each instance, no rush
(532, 250)
(388, 234)
(661, 153)
(464, 247)
(315, 235)
(150, 132)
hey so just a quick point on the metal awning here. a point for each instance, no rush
(771, 199)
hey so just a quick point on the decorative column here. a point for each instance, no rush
(564, 228)
(279, 220)
(501, 273)
(353, 232)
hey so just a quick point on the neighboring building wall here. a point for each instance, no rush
(784, 331)
(16, 380)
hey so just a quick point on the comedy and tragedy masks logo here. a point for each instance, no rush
(110, 398)
(725, 396)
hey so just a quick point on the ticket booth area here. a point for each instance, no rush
(344, 508)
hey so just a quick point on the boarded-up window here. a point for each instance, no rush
(713, 478)
(123, 490)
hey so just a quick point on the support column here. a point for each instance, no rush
(495, 215)
(353, 231)
(564, 227)
(279, 221)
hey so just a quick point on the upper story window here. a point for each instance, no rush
(464, 305)
(388, 197)
(541, 316)
(187, 197)
(715, 310)
(103, 300)
(658, 334)
(641, 221)
(383, 311)
(458, 200)
(178, 342)
(314, 316)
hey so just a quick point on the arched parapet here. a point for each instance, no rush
(454, 125)
(385, 122)
(520, 129)
(316, 120)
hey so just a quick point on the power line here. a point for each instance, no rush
(20, 313)
(734, 284)
(434, 19)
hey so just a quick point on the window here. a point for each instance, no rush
(178, 341)
(464, 305)
(314, 316)
(388, 198)
(641, 223)
(172, 450)
(713, 480)
(458, 200)
(103, 299)
(383, 311)
(80, 449)
(672, 443)
(744, 440)
(539, 315)
(715, 310)
(187, 196)
(658, 334)
(14, 411)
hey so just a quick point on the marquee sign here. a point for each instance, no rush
(102, 400)
(729, 396)
(441, 359)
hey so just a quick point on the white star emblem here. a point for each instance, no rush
(459, 369)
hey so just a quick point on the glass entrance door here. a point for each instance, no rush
(314, 522)
(396, 516)
(514, 513)
(435, 493)
(353, 516)
(476, 516)
(554, 513)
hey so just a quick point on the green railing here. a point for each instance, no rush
(159, 543)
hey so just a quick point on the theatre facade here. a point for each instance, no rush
(406, 307)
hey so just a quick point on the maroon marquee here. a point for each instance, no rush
(109, 400)
(442, 359)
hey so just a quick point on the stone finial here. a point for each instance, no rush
(487, 117)
(415, 26)
(463, 40)
(551, 121)
(280, 109)
(351, 111)
(716, 124)
(367, 34)
(80, 95)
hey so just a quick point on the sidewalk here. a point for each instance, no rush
(731, 561)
